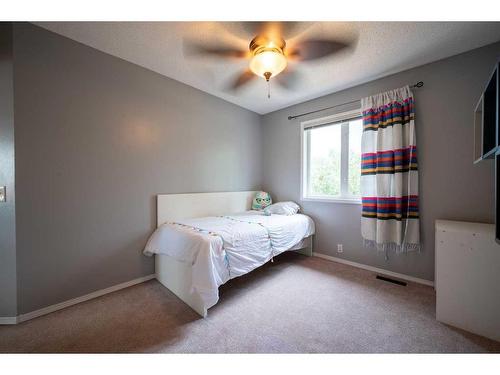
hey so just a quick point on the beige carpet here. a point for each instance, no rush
(296, 304)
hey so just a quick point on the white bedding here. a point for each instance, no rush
(223, 247)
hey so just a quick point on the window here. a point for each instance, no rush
(331, 158)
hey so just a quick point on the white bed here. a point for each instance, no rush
(203, 240)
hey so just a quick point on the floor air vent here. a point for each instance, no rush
(389, 280)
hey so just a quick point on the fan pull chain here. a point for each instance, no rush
(267, 75)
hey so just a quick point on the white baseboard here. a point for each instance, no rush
(375, 269)
(8, 320)
(74, 301)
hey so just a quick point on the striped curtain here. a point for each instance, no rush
(389, 172)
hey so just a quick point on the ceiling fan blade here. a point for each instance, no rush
(286, 29)
(289, 79)
(194, 50)
(242, 80)
(315, 49)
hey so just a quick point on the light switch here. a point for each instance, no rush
(3, 197)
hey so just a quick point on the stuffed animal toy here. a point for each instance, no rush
(261, 201)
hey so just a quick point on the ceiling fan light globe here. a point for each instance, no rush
(268, 61)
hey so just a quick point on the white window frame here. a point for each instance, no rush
(304, 157)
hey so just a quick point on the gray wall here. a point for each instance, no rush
(96, 139)
(7, 210)
(451, 187)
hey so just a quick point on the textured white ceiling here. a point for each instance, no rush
(382, 48)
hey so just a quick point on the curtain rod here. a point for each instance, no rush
(416, 85)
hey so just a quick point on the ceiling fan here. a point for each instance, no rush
(268, 53)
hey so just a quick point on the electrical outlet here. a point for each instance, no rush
(340, 248)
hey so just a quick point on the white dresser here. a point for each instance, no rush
(468, 277)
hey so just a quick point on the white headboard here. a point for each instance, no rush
(171, 207)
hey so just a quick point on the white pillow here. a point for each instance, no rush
(282, 208)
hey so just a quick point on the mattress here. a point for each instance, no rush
(220, 248)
